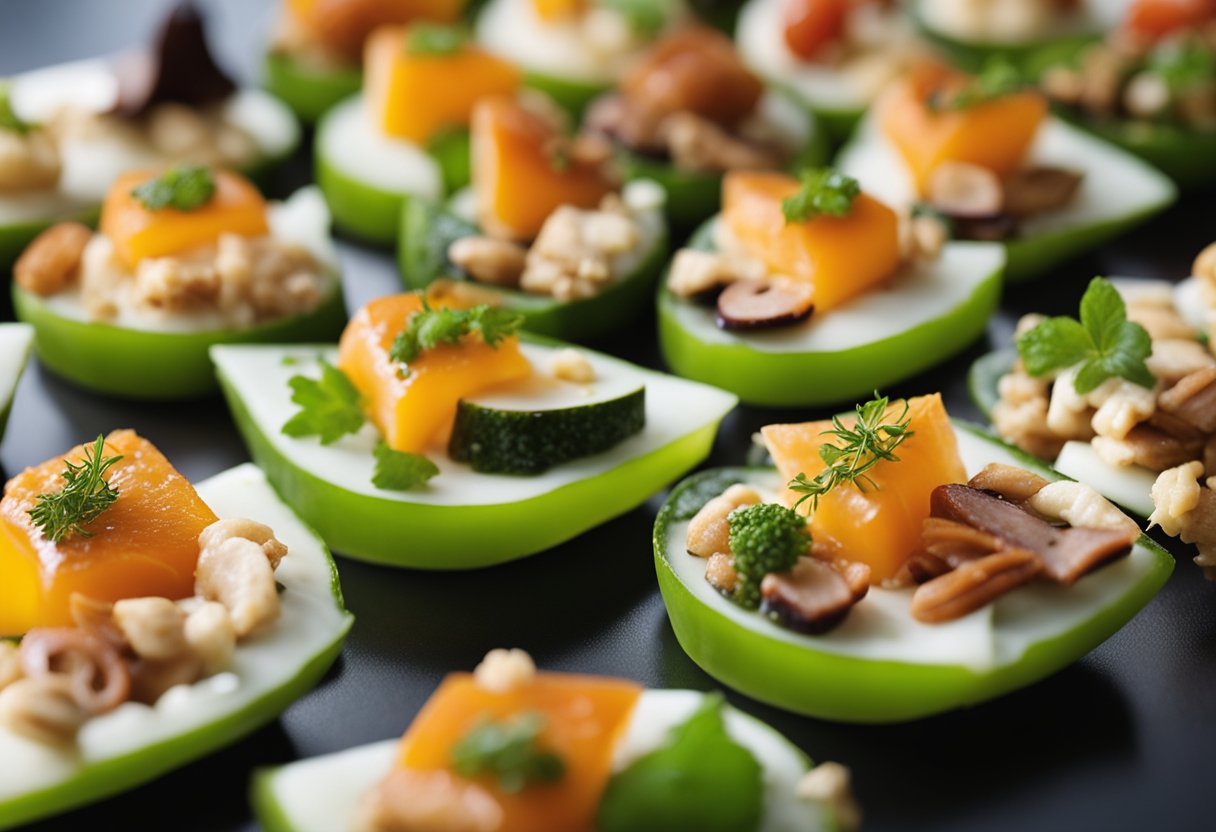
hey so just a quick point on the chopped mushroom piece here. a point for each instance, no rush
(1193, 399)
(814, 596)
(960, 189)
(696, 273)
(831, 784)
(764, 304)
(973, 585)
(1147, 446)
(952, 544)
(1039, 190)
(1010, 481)
(489, 260)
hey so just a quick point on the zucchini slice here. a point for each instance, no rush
(323, 794)
(880, 665)
(926, 315)
(444, 526)
(1119, 191)
(137, 743)
(15, 341)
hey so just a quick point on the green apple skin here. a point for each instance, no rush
(372, 214)
(308, 91)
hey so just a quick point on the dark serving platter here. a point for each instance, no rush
(1123, 740)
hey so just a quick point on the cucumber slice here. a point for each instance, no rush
(927, 315)
(366, 175)
(1118, 192)
(530, 430)
(15, 341)
(138, 743)
(444, 526)
(323, 793)
(308, 90)
(852, 673)
(428, 229)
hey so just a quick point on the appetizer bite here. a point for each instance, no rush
(427, 426)
(407, 134)
(156, 622)
(546, 229)
(15, 341)
(833, 55)
(183, 259)
(67, 131)
(896, 564)
(805, 291)
(688, 111)
(1149, 87)
(982, 153)
(510, 748)
(313, 61)
(573, 50)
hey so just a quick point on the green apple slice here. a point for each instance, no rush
(444, 526)
(308, 90)
(880, 665)
(1118, 192)
(137, 743)
(927, 314)
(323, 794)
(15, 341)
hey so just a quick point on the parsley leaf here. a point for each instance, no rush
(329, 406)
(429, 328)
(435, 39)
(399, 470)
(83, 498)
(510, 752)
(824, 192)
(183, 187)
(997, 79)
(9, 120)
(645, 17)
(1105, 343)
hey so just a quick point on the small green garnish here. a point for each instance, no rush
(83, 498)
(329, 406)
(645, 17)
(1184, 65)
(429, 328)
(824, 192)
(764, 538)
(9, 120)
(182, 187)
(1104, 342)
(400, 470)
(509, 751)
(435, 39)
(997, 79)
(869, 441)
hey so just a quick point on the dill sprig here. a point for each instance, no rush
(83, 498)
(869, 441)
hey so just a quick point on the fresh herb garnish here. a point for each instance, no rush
(83, 498)
(997, 79)
(1184, 65)
(824, 192)
(183, 187)
(645, 17)
(429, 328)
(329, 406)
(400, 470)
(9, 120)
(510, 752)
(1104, 342)
(871, 439)
(435, 39)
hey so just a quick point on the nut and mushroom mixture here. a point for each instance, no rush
(1004, 21)
(29, 160)
(136, 649)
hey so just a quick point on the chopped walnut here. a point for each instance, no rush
(694, 273)
(428, 801)
(503, 671)
(52, 259)
(709, 529)
(573, 366)
(1080, 506)
(1112, 408)
(42, 709)
(1020, 415)
(28, 162)
(238, 571)
(489, 260)
(154, 627)
(259, 533)
(211, 636)
(721, 574)
(831, 784)
(698, 144)
(573, 254)
(1175, 493)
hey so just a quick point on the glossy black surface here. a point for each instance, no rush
(1123, 740)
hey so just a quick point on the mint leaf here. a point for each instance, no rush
(400, 470)
(1054, 344)
(509, 751)
(824, 192)
(435, 39)
(329, 406)
(430, 328)
(182, 187)
(9, 120)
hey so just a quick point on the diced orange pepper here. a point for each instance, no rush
(145, 543)
(343, 25)
(585, 717)
(995, 134)
(551, 10)
(412, 411)
(880, 526)
(235, 208)
(810, 25)
(1155, 19)
(517, 178)
(416, 96)
(842, 257)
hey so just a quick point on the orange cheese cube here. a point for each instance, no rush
(996, 134)
(145, 543)
(585, 717)
(842, 257)
(517, 179)
(880, 526)
(416, 96)
(414, 410)
(235, 208)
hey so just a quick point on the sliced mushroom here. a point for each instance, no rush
(1150, 447)
(1039, 190)
(960, 189)
(814, 596)
(920, 568)
(1193, 399)
(995, 229)
(956, 543)
(974, 585)
(764, 304)
(1010, 481)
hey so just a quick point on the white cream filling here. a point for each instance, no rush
(959, 19)
(323, 794)
(675, 408)
(349, 141)
(922, 292)
(15, 341)
(309, 621)
(881, 627)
